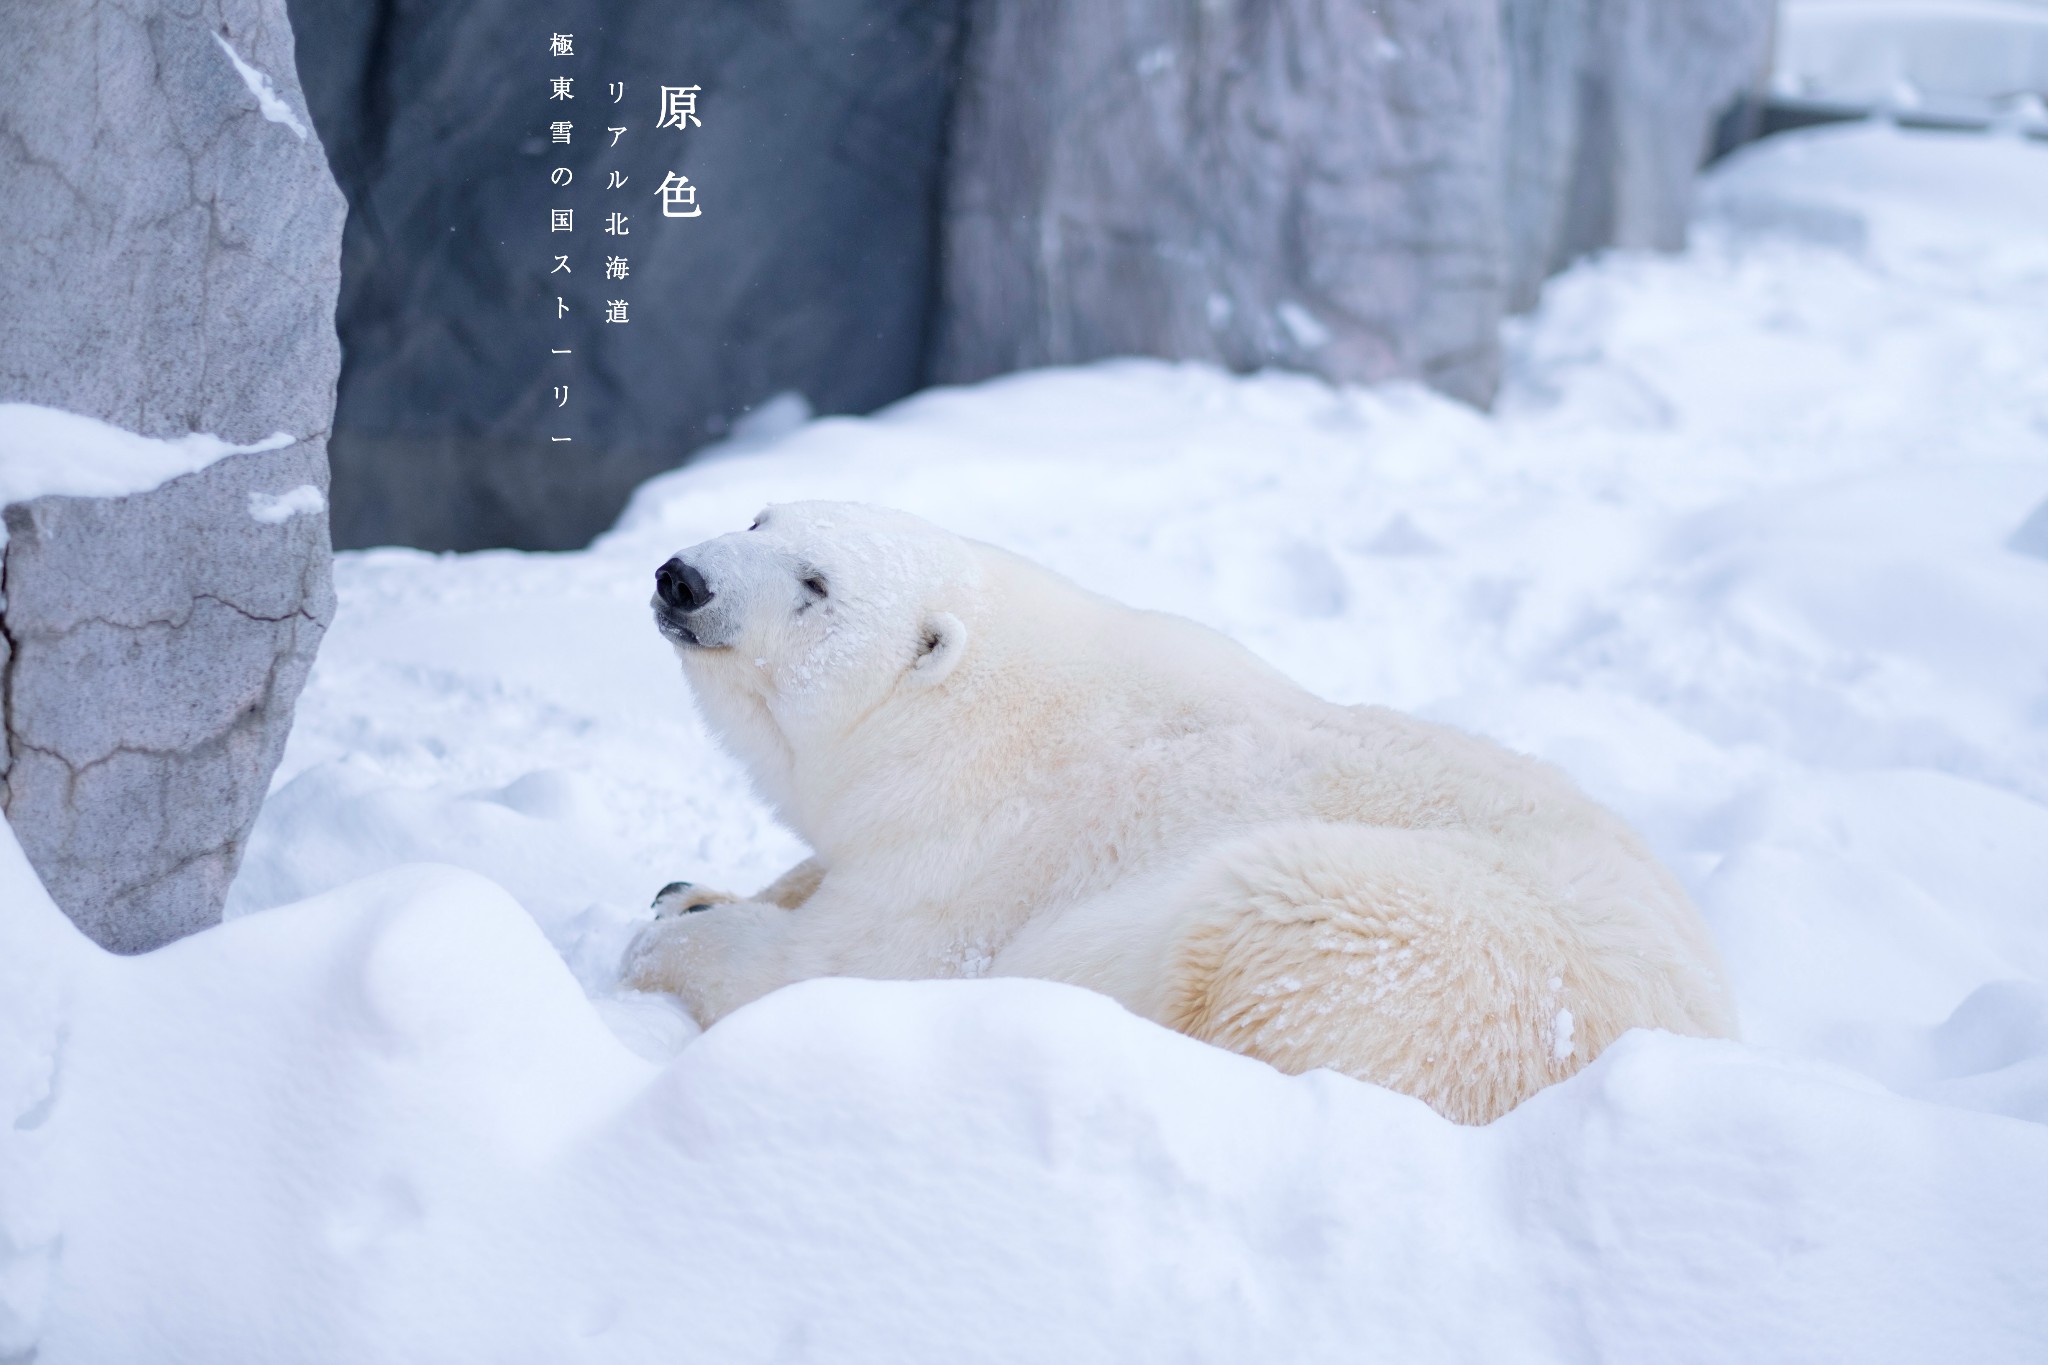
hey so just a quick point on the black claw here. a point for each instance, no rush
(693, 909)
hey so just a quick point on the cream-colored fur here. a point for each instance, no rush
(1003, 774)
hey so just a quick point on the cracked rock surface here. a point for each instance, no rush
(169, 248)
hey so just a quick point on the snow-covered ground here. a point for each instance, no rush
(1742, 550)
(1963, 57)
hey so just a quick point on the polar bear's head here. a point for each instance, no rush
(813, 619)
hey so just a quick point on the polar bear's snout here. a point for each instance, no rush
(682, 602)
(681, 587)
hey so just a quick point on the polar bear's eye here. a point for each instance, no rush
(816, 584)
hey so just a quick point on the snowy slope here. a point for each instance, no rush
(1735, 552)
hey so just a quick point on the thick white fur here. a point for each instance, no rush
(1003, 774)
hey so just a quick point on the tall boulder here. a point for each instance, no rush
(1313, 184)
(816, 157)
(168, 255)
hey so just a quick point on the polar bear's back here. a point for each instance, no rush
(1341, 886)
(1421, 960)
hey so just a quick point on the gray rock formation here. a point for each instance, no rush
(1611, 108)
(1358, 191)
(818, 166)
(1312, 184)
(168, 248)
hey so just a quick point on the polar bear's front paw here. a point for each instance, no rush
(683, 898)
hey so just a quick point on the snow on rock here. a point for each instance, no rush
(1733, 552)
(267, 99)
(46, 451)
(273, 508)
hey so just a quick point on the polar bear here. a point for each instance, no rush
(1004, 774)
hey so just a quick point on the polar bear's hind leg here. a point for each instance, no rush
(1418, 960)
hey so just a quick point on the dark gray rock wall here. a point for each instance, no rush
(168, 262)
(818, 164)
(1312, 184)
(1358, 191)
(1611, 107)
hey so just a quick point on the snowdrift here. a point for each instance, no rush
(1735, 551)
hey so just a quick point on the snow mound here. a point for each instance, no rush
(2032, 536)
(1737, 550)
(387, 1125)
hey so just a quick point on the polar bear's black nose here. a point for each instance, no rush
(681, 586)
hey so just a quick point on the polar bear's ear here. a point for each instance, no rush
(943, 645)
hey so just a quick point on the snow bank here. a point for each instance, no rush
(1907, 52)
(41, 955)
(1736, 551)
(386, 1125)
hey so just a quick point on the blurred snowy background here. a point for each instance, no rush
(1752, 541)
(1963, 61)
